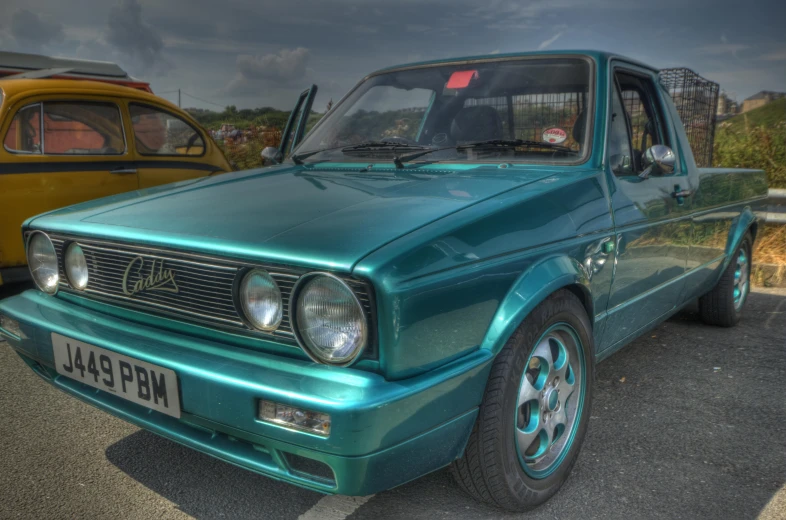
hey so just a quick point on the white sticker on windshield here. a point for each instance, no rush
(554, 135)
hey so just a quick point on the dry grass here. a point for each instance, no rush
(771, 245)
(769, 257)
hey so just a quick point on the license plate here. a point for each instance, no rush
(137, 381)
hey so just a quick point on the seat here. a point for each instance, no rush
(477, 123)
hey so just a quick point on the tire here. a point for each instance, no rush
(722, 306)
(493, 469)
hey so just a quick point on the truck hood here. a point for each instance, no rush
(311, 215)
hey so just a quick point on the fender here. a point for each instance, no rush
(743, 223)
(531, 288)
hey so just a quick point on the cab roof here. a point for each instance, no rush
(598, 56)
(17, 87)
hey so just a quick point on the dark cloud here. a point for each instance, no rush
(287, 65)
(285, 68)
(230, 51)
(32, 33)
(130, 35)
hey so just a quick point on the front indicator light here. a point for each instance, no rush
(295, 418)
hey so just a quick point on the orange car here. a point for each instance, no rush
(67, 141)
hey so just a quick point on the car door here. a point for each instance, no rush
(170, 148)
(653, 228)
(300, 121)
(58, 151)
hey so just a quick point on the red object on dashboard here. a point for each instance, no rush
(461, 78)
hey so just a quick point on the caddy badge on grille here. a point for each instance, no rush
(157, 278)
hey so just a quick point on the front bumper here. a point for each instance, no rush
(383, 433)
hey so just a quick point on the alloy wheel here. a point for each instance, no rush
(741, 278)
(550, 398)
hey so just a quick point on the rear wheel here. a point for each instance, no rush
(722, 306)
(535, 410)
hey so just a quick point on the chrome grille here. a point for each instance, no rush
(205, 284)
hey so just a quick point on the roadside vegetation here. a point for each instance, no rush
(242, 119)
(757, 139)
(258, 128)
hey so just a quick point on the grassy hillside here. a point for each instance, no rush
(769, 115)
(756, 139)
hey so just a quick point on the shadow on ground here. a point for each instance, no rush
(689, 421)
(202, 486)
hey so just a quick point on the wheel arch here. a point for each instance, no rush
(531, 288)
(746, 222)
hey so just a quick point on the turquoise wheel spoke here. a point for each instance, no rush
(741, 279)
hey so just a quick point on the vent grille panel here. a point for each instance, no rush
(204, 286)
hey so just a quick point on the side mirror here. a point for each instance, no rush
(271, 155)
(659, 160)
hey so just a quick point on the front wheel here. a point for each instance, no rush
(535, 410)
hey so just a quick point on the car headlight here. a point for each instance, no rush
(330, 320)
(76, 266)
(42, 261)
(260, 298)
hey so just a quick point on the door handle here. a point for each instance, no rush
(122, 171)
(679, 194)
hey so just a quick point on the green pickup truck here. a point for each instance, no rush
(426, 278)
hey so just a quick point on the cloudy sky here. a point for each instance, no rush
(259, 52)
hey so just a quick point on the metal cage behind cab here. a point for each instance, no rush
(696, 99)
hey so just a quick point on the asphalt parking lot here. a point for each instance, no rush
(688, 422)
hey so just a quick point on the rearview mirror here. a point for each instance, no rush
(659, 160)
(271, 155)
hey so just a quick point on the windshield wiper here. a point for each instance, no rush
(298, 158)
(492, 143)
(368, 146)
(512, 143)
(378, 146)
(401, 159)
(381, 145)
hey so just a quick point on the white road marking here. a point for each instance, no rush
(334, 507)
(777, 311)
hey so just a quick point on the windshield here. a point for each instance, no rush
(541, 103)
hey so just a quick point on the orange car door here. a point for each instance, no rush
(169, 148)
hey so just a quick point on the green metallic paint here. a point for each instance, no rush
(368, 412)
(353, 475)
(532, 287)
(458, 254)
(308, 215)
(443, 287)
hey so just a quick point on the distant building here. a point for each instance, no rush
(760, 99)
(727, 106)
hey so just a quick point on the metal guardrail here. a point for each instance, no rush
(776, 206)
